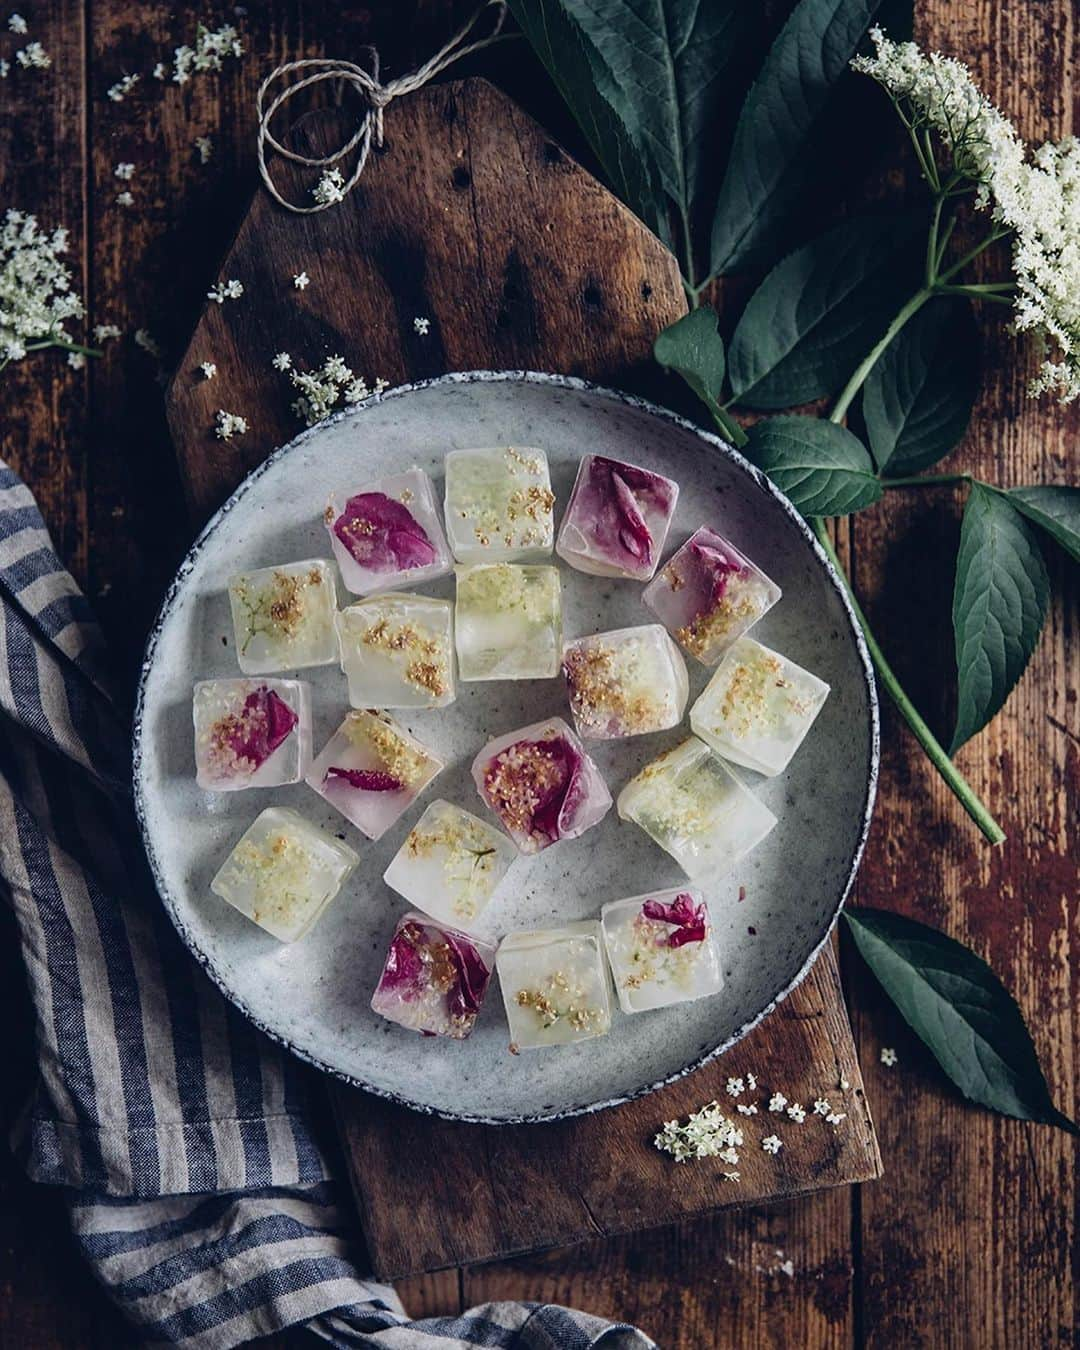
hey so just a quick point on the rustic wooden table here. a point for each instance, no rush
(969, 1238)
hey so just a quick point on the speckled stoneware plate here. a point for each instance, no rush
(313, 995)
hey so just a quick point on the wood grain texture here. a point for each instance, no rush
(441, 1193)
(967, 1240)
(471, 216)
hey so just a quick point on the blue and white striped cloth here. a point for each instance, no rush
(197, 1189)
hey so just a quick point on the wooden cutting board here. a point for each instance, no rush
(473, 218)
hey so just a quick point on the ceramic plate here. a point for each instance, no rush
(771, 915)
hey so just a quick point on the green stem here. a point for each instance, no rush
(728, 425)
(858, 379)
(994, 293)
(957, 783)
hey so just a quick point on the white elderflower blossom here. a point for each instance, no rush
(707, 1134)
(36, 296)
(797, 1112)
(160, 71)
(145, 342)
(5, 69)
(33, 57)
(104, 331)
(205, 147)
(17, 23)
(422, 325)
(227, 425)
(777, 1101)
(125, 199)
(209, 370)
(735, 1087)
(119, 91)
(330, 188)
(301, 281)
(124, 171)
(772, 1143)
(225, 290)
(1035, 199)
(888, 1056)
(210, 52)
(326, 390)
(76, 360)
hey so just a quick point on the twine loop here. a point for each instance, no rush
(376, 97)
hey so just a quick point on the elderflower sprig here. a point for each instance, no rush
(332, 387)
(37, 301)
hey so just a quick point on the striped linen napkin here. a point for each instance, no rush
(197, 1189)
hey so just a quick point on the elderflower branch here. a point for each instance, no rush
(935, 751)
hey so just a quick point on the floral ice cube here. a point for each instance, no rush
(398, 651)
(451, 864)
(758, 707)
(434, 979)
(388, 534)
(508, 624)
(661, 949)
(371, 770)
(690, 803)
(554, 985)
(499, 504)
(708, 594)
(283, 872)
(284, 617)
(541, 784)
(617, 520)
(251, 733)
(625, 683)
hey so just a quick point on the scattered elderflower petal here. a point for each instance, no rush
(777, 1101)
(422, 326)
(210, 51)
(750, 1110)
(835, 1117)
(104, 331)
(707, 1134)
(888, 1056)
(227, 425)
(330, 188)
(209, 370)
(797, 1112)
(225, 290)
(76, 360)
(119, 91)
(301, 281)
(283, 361)
(5, 69)
(124, 171)
(125, 198)
(822, 1107)
(160, 71)
(33, 57)
(147, 343)
(205, 146)
(17, 23)
(36, 295)
(751, 1081)
(772, 1143)
(735, 1087)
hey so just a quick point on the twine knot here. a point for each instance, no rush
(376, 97)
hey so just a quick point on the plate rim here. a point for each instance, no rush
(715, 444)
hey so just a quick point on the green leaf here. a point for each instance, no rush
(959, 1008)
(591, 92)
(1056, 508)
(693, 347)
(821, 467)
(669, 64)
(999, 604)
(769, 164)
(820, 310)
(917, 399)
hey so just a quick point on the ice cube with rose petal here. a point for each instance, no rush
(388, 534)
(758, 707)
(397, 651)
(617, 519)
(283, 872)
(661, 949)
(283, 617)
(434, 979)
(499, 504)
(508, 622)
(451, 864)
(541, 784)
(371, 770)
(625, 683)
(708, 594)
(690, 803)
(554, 985)
(251, 733)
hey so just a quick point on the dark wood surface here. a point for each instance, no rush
(475, 218)
(970, 1237)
